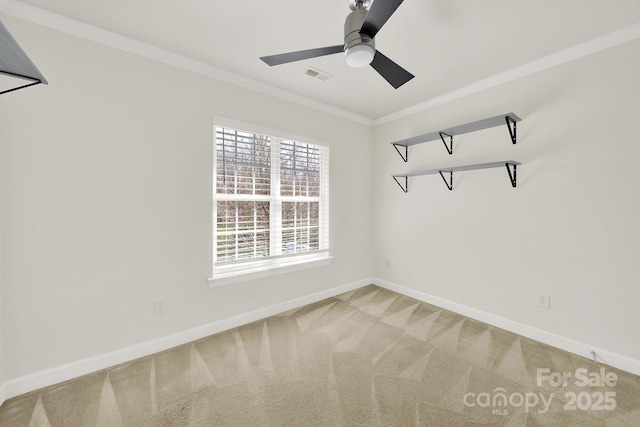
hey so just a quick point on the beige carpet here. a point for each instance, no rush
(369, 357)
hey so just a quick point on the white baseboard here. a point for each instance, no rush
(3, 393)
(581, 349)
(37, 380)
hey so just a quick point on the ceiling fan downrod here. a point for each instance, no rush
(356, 4)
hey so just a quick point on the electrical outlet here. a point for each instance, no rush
(544, 301)
(387, 263)
(160, 306)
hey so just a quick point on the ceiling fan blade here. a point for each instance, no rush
(392, 72)
(379, 13)
(284, 58)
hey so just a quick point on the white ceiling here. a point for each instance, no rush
(446, 44)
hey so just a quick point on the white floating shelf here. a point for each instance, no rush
(508, 119)
(511, 166)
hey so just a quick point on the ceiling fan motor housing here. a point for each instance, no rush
(359, 48)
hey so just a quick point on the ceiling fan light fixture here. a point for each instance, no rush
(360, 55)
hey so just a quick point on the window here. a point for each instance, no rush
(271, 203)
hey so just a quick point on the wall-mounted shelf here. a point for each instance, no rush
(511, 166)
(508, 119)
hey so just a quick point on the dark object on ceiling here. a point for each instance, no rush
(16, 69)
(360, 29)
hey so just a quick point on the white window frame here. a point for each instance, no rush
(278, 263)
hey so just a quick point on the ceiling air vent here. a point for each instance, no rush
(317, 74)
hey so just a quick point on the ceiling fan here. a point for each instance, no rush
(361, 26)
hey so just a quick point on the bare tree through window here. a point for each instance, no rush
(269, 196)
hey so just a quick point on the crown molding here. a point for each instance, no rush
(63, 24)
(57, 22)
(598, 44)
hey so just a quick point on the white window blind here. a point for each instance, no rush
(271, 197)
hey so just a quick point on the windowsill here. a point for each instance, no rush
(229, 274)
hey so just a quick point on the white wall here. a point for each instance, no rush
(106, 201)
(2, 322)
(569, 229)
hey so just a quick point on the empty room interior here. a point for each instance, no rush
(340, 213)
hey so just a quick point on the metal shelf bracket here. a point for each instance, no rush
(450, 183)
(511, 125)
(406, 151)
(512, 176)
(406, 182)
(449, 148)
